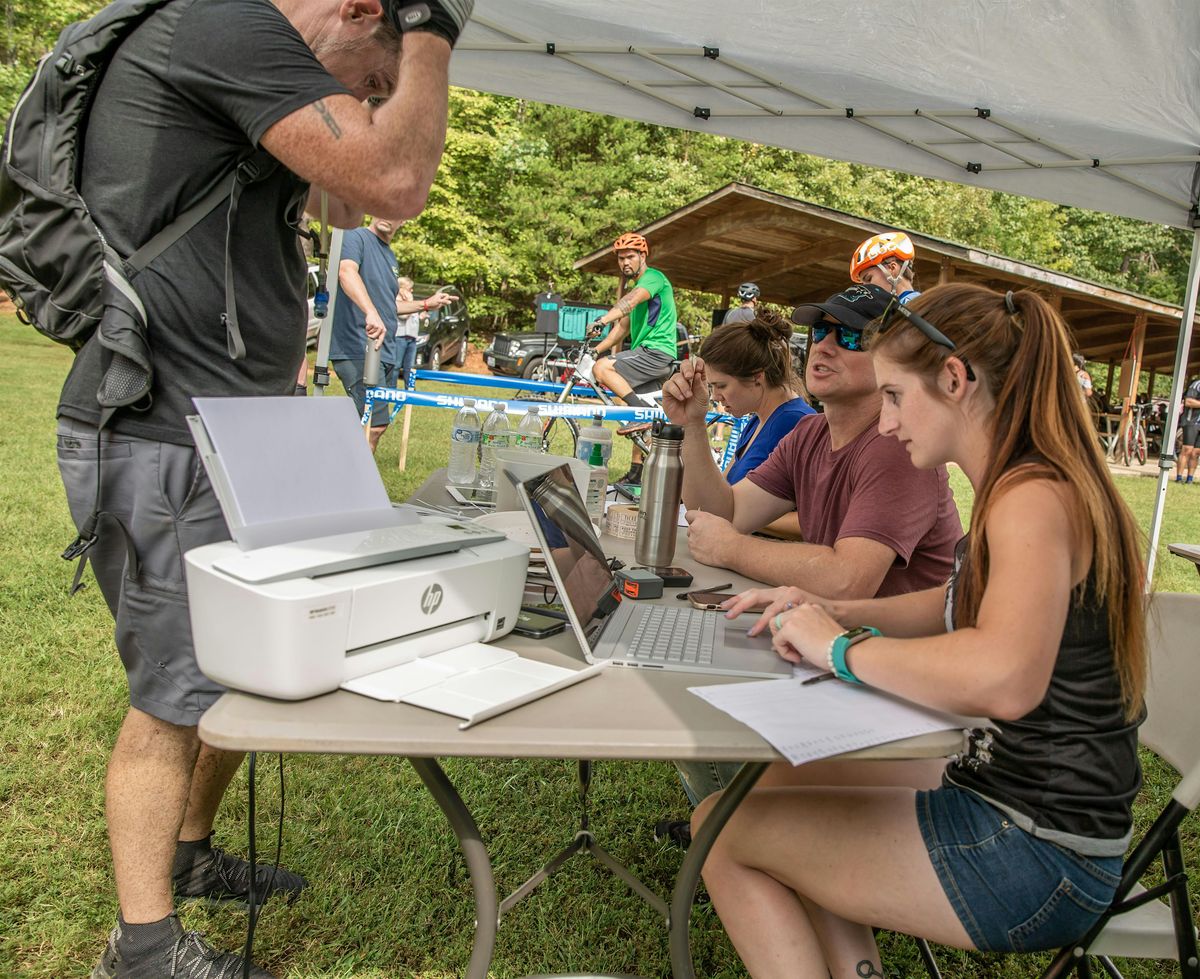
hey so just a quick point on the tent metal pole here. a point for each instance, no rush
(325, 338)
(1178, 381)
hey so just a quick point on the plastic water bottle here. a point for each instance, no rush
(528, 436)
(464, 444)
(495, 436)
(594, 434)
(597, 487)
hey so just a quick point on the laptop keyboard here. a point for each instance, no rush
(673, 635)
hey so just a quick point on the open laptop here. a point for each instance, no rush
(628, 633)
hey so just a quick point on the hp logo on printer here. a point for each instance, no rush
(431, 599)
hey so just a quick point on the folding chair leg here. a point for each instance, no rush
(1181, 909)
(931, 966)
(1083, 967)
(1109, 967)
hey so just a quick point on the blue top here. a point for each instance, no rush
(783, 419)
(377, 267)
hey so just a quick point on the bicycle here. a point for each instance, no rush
(1134, 440)
(573, 369)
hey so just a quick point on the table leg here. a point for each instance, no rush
(693, 861)
(487, 902)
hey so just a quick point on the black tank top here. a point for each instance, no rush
(1068, 770)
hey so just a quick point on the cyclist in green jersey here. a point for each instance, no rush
(646, 315)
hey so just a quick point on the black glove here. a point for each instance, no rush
(443, 17)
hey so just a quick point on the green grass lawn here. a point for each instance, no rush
(390, 896)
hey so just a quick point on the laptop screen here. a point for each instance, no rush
(571, 548)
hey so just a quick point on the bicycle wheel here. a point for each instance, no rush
(560, 437)
(1140, 447)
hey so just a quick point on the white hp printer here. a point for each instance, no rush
(287, 611)
(282, 622)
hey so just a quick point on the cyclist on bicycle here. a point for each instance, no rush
(646, 314)
(886, 260)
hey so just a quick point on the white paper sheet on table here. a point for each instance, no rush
(808, 723)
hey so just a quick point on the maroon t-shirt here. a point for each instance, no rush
(867, 488)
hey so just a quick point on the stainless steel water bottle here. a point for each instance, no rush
(658, 508)
(372, 368)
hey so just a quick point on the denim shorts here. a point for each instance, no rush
(1012, 891)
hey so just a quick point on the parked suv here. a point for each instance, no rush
(518, 354)
(444, 335)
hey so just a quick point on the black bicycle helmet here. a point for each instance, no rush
(748, 291)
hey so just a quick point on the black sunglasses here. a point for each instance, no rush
(846, 337)
(896, 308)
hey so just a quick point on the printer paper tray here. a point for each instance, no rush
(474, 682)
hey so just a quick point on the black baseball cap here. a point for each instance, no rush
(854, 307)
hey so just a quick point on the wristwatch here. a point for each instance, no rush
(841, 645)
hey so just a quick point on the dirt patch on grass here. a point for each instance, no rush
(475, 364)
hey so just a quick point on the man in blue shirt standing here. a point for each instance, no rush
(367, 276)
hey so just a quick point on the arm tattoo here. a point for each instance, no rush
(625, 305)
(327, 117)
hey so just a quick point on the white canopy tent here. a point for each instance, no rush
(1094, 103)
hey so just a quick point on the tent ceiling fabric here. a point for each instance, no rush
(1065, 83)
(800, 252)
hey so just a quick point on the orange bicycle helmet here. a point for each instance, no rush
(879, 248)
(632, 240)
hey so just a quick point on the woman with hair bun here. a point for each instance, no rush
(748, 366)
(1040, 628)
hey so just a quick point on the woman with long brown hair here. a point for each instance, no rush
(1040, 628)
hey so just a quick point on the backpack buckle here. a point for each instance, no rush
(79, 546)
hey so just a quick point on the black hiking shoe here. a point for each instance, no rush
(185, 956)
(676, 831)
(213, 876)
(633, 477)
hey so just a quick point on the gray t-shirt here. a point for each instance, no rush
(740, 314)
(188, 94)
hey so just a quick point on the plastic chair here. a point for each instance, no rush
(1139, 924)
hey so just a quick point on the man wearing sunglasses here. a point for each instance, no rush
(872, 524)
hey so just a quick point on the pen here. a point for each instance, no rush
(818, 678)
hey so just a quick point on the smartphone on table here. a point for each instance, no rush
(709, 600)
(538, 626)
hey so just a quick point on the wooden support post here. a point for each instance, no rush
(945, 271)
(1150, 383)
(403, 461)
(1131, 372)
(1108, 384)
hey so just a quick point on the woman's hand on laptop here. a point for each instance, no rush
(772, 601)
(804, 634)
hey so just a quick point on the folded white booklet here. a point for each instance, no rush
(474, 682)
(805, 723)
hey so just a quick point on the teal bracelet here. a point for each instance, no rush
(841, 645)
